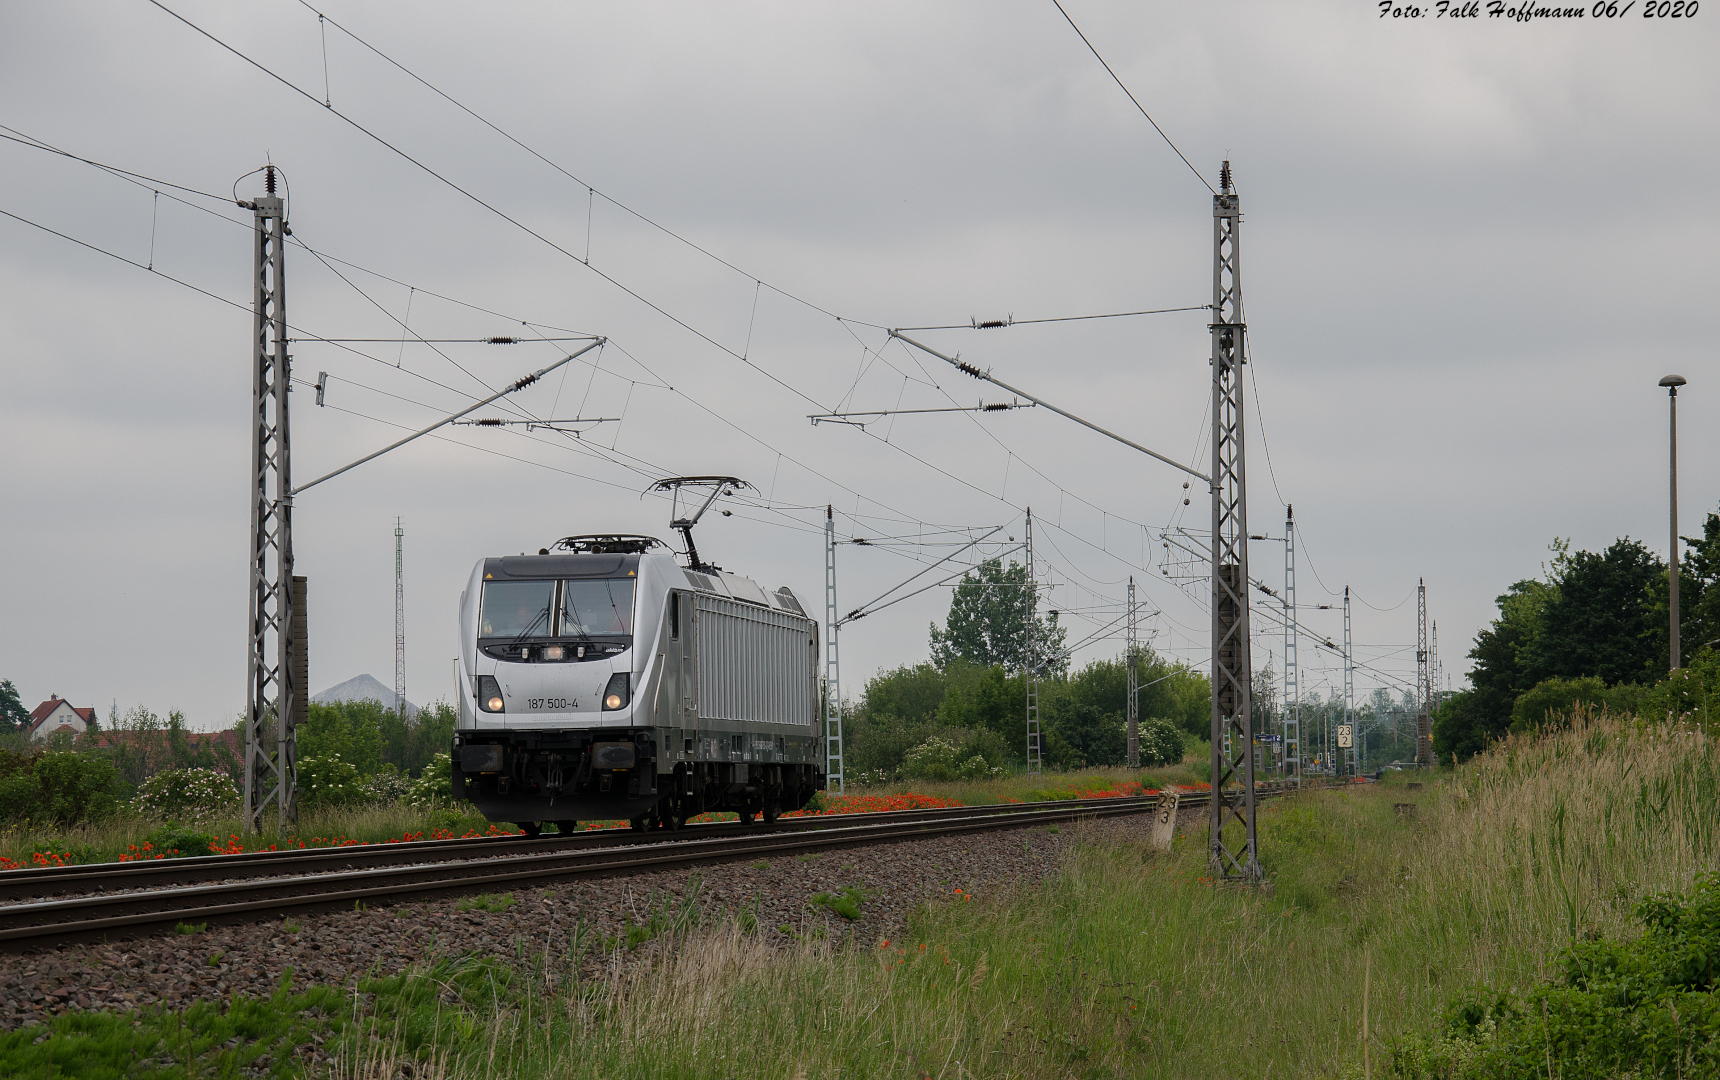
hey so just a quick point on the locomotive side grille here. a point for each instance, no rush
(752, 663)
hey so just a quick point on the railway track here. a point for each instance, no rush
(298, 882)
(37, 883)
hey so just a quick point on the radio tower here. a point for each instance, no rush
(399, 626)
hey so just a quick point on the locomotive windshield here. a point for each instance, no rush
(572, 608)
(591, 607)
(516, 608)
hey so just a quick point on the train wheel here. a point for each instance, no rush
(772, 809)
(641, 823)
(567, 828)
(747, 814)
(530, 828)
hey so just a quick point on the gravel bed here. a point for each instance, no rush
(175, 970)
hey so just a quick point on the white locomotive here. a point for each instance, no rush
(603, 680)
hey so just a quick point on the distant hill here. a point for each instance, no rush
(363, 688)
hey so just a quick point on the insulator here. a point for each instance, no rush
(970, 369)
(1224, 177)
(488, 423)
(269, 179)
(991, 324)
(503, 341)
(996, 407)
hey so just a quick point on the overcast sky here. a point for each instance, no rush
(1470, 250)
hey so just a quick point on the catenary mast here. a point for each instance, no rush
(1232, 720)
(274, 694)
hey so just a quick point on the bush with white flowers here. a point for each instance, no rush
(187, 794)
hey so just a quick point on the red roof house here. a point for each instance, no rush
(57, 714)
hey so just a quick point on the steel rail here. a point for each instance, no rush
(129, 914)
(32, 883)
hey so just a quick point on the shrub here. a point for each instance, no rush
(329, 781)
(388, 787)
(940, 759)
(1161, 742)
(435, 787)
(1684, 694)
(59, 787)
(1639, 1008)
(869, 777)
(177, 841)
(1549, 703)
(190, 794)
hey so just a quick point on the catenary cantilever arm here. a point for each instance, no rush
(962, 365)
(510, 388)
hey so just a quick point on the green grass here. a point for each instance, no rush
(1048, 786)
(205, 1040)
(486, 902)
(844, 901)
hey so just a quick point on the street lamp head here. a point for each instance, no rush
(1672, 383)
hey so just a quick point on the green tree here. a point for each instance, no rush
(986, 698)
(1600, 621)
(988, 623)
(13, 715)
(349, 730)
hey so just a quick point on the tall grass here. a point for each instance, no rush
(109, 839)
(1128, 963)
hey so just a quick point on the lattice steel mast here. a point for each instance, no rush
(833, 779)
(1134, 709)
(1438, 670)
(1424, 681)
(399, 624)
(1232, 719)
(1357, 748)
(1035, 759)
(273, 694)
(1290, 725)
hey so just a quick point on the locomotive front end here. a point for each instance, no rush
(550, 721)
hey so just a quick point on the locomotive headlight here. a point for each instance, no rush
(490, 694)
(617, 693)
(554, 652)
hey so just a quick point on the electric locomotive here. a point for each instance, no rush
(602, 679)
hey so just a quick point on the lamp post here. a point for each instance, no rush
(1672, 383)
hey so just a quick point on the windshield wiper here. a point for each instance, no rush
(543, 616)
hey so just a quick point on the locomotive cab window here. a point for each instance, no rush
(514, 609)
(596, 608)
(674, 616)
